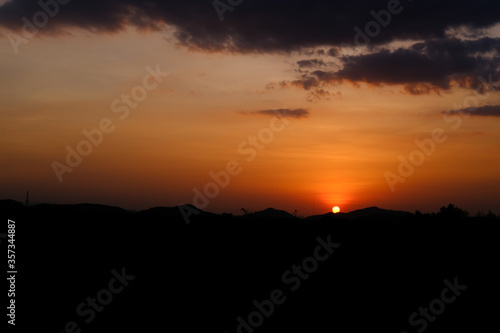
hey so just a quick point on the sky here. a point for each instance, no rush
(251, 104)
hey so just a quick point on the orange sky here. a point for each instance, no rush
(194, 122)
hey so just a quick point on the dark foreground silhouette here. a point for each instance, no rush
(104, 269)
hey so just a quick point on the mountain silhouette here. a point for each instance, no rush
(270, 213)
(370, 213)
(215, 271)
(11, 205)
(174, 213)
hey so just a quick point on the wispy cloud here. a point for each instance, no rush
(282, 113)
(482, 111)
(311, 63)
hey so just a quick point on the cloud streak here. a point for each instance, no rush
(281, 113)
(482, 111)
(310, 63)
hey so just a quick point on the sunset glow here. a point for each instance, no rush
(161, 113)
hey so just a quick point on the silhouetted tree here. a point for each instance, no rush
(483, 216)
(491, 216)
(452, 212)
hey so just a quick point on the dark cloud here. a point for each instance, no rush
(305, 82)
(281, 113)
(262, 25)
(310, 63)
(334, 51)
(421, 68)
(483, 111)
(316, 28)
(315, 95)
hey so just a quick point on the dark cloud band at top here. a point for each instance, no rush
(433, 63)
(262, 25)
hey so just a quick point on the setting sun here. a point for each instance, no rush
(336, 209)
